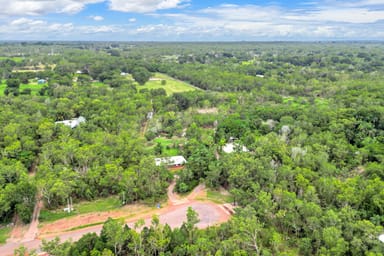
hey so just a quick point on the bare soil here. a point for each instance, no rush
(173, 214)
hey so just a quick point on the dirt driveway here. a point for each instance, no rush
(174, 214)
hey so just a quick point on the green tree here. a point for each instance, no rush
(192, 220)
(113, 234)
(141, 75)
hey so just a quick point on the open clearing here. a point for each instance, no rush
(35, 88)
(173, 214)
(167, 144)
(172, 85)
(15, 59)
(99, 205)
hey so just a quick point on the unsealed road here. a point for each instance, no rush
(174, 215)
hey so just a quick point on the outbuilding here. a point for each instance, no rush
(73, 122)
(172, 161)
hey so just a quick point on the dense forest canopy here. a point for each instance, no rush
(310, 114)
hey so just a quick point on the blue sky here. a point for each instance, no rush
(191, 20)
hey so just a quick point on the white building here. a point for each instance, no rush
(171, 161)
(73, 122)
(232, 147)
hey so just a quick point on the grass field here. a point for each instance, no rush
(98, 83)
(219, 198)
(100, 205)
(15, 59)
(2, 87)
(4, 234)
(35, 88)
(168, 143)
(172, 85)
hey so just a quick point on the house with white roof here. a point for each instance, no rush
(172, 161)
(73, 122)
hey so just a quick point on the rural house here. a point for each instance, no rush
(173, 161)
(73, 122)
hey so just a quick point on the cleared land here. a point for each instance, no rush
(167, 144)
(171, 85)
(15, 59)
(35, 88)
(173, 213)
(100, 205)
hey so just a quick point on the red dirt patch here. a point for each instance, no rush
(89, 218)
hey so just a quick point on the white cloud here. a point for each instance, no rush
(359, 3)
(327, 19)
(99, 29)
(37, 29)
(348, 15)
(244, 12)
(41, 7)
(97, 18)
(253, 22)
(145, 6)
(34, 28)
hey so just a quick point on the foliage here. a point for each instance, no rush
(4, 233)
(141, 75)
(311, 115)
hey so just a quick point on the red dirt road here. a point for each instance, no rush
(174, 215)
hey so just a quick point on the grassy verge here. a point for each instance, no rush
(2, 87)
(217, 197)
(125, 218)
(4, 234)
(86, 226)
(171, 85)
(53, 215)
(100, 205)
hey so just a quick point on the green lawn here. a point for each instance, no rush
(219, 198)
(2, 87)
(35, 88)
(99, 205)
(168, 143)
(15, 59)
(172, 85)
(4, 234)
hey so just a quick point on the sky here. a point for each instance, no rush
(191, 20)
